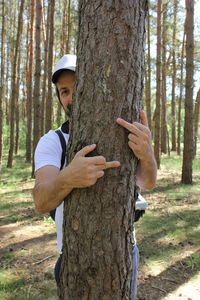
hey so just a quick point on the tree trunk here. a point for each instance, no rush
(13, 85)
(158, 87)
(29, 102)
(180, 97)
(37, 77)
(17, 87)
(69, 27)
(196, 121)
(148, 73)
(173, 103)
(98, 221)
(2, 91)
(49, 108)
(188, 128)
(164, 70)
(45, 67)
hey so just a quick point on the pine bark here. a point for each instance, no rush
(158, 87)
(37, 77)
(13, 86)
(98, 221)
(188, 127)
(17, 113)
(2, 90)
(148, 73)
(49, 107)
(29, 100)
(173, 102)
(180, 97)
(196, 121)
(164, 71)
(45, 66)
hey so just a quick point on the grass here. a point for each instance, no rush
(168, 233)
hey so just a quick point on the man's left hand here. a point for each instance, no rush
(139, 137)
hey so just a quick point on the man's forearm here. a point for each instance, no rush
(49, 195)
(146, 174)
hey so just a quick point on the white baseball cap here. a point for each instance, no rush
(67, 62)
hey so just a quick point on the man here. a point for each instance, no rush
(52, 185)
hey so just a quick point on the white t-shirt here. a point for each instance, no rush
(48, 153)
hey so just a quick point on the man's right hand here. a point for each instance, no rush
(85, 171)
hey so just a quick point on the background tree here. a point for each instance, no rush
(196, 121)
(49, 104)
(188, 128)
(13, 86)
(2, 80)
(174, 71)
(97, 243)
(29, 76)
(158, 87)
(37, 76)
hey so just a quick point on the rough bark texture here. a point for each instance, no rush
(158, 87)
(180, 97)
(164, 71)
(13, 86)
(98, 221)
(173, 102)
(196, 121)
(49, 108)
(37, 76)
(188, 128)
(29, 102)
(45, 66)
(148, 74)
(2, 90)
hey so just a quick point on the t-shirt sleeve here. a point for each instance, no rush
(48, 151)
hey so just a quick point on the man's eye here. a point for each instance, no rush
(65, 92)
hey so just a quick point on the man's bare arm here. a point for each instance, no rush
(53, 185)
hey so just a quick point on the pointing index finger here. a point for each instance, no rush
(125, 124)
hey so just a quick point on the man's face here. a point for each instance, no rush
(65, 86)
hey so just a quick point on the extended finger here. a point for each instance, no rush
(86, 150)
(143, 118)
(97, 160)
(112, 164)
(125, 124)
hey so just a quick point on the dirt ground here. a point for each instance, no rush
(28, 247)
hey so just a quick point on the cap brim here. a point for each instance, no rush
(57, 73)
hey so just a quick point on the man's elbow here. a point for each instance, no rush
(39, 206)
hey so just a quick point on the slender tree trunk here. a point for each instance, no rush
(49, 107)
(37, 77)
(17, 87)
(44, 84)
(13, 86)
(29, 102)
(196, 121)
(158, 87)
(180, 97)
(164, 70)
(97, 240)
(188, 128)
(2, 91)
(148, 71)
(69, 27)
(173, 103)
(6, 85)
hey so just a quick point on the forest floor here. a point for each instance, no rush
(168, 237)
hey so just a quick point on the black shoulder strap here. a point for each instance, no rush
(62, 162)
(63, 145)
